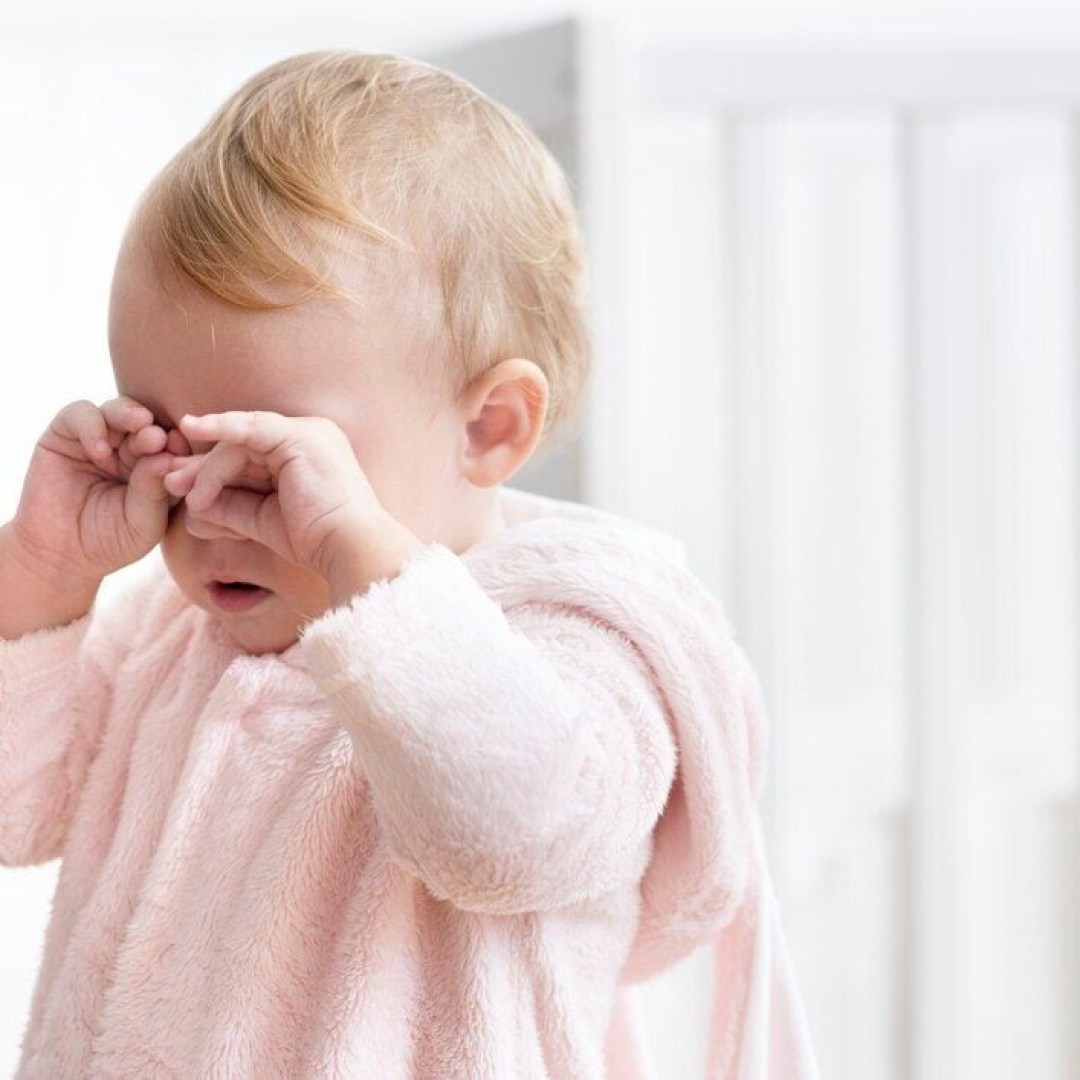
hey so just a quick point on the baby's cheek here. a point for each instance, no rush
(178, 554)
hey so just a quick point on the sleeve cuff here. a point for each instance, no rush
(41, 652)
(331, 647)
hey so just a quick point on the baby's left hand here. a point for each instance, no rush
(316, 507)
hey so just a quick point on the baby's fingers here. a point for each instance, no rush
(127, 449)
(180, 478)
(146, 501)
(225, 462)
(82, 422)
(126, 414)
(148, 440)
(178, 444)
(121, 426)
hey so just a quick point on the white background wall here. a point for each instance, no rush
(859, 410)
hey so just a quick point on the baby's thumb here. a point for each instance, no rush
(147, 502)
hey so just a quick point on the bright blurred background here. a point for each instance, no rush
(836, 285)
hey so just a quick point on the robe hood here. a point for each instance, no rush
(707, 881)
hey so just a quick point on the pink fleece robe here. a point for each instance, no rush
(441, 835)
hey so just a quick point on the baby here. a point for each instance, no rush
(384, 769)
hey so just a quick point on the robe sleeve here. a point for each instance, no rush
(517, 760)
(55, 691)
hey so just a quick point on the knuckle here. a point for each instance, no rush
(77, 410)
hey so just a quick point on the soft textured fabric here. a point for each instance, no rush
(441, 835)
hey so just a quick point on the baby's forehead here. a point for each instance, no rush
(310, 358)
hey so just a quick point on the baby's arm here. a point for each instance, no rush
(517, 761)
(56, 657)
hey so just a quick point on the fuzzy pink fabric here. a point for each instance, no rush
(442, 835)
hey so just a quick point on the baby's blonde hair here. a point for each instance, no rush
(415, 171)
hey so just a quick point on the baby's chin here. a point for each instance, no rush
(255, 640)
(268, 626)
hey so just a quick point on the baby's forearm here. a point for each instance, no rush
(29, 600)
(516, 762)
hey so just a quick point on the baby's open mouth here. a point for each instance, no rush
(236, 595)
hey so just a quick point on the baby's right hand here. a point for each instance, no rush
(93, 500)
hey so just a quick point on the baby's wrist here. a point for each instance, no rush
(35, 598)
(362, 556)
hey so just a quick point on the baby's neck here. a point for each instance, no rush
(494, 522)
